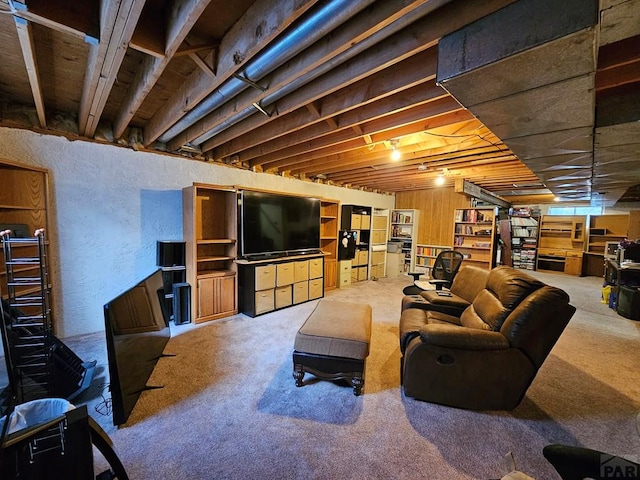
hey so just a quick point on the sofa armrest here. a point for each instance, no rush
(453, 336)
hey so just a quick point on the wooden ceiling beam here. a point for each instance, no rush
(121, 18)
(381, 159)
(434, 165)
(417, 37)
(25, 36)
(413, 71)
(302, 140)
(150, 34)
(260, 24)
(309, 149)
(80, 19)
(181, 19)
(365, 24)
(304, 161)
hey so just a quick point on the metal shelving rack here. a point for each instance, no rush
(31, 325)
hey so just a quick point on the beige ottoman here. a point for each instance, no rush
(333, 343)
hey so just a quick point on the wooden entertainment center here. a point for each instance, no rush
(222, 284)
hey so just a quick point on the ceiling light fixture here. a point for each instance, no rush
(440, 179)
(395, 153)
(422, 167)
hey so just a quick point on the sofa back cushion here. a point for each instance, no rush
(505, 288)
(535, 325)
(469, 281)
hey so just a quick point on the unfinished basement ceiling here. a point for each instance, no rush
(325, 90)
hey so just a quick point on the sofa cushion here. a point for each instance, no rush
(486, 312)
(435, 298)
(469, 281)
(511, 286)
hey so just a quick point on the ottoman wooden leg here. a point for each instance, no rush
(298, 374)
(358, 384)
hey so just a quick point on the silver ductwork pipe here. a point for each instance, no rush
(360, 47)
(321, 21)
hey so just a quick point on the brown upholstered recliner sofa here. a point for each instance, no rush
(486, 357)
(467, 283)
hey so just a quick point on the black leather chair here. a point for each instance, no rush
(577, 463)
(445, 267)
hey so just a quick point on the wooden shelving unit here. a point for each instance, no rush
(378, 253)
(524, 241)
(210, 232)
(426, 255)
(404, 228)
(358, 218)
(474, 235)
(329, 211)
(603, 229)
(561, 243)
(24, 193)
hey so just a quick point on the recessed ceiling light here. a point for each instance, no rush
(423, 167)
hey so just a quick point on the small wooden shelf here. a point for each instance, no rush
(216, 241)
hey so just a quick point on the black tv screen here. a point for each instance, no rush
(278, 224)
(137, 330)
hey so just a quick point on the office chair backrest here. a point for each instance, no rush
(446, 265)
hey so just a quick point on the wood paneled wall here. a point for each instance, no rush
(436, 205)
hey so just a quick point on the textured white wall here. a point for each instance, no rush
(109, 206)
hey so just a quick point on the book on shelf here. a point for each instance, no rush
(399, 217)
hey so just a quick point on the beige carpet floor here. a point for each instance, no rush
(229, 408)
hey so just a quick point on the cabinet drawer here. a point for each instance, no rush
(283, 296)
(316, 270)
(265, 277)
(569, 253)
(379, 222)
(552, 252)
(362, 257)
(378, 236)
(300, 292)
(365, 222)
(378, 270)
(356, 221)
(362, 273)
(264, 301)
(345, 281)
(345, 266)
(315, 288)
(377, 257)
(354, 274)
(301, 271)
(284, 274)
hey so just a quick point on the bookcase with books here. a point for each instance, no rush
(426, 255)
(524, 239)
(404, 228)
(474, 235)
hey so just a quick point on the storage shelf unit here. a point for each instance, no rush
(268, 285)
(474, 235)
(561, 243)
(603, 229)
(524, 241)
(358, 218)
(426, 255)
(24, 194)
(378, 253)
(329, 210)
(404, 228)
(209, 228)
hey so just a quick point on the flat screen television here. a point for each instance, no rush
(137, 331)
(277, 225)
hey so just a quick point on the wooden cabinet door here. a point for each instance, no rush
(206, 297)
(216, 296)
(225, 301)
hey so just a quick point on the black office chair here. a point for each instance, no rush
(577, 463)
(444, 269)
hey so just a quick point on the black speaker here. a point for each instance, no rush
(181, 303)
(629, 302)
(170, 254)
